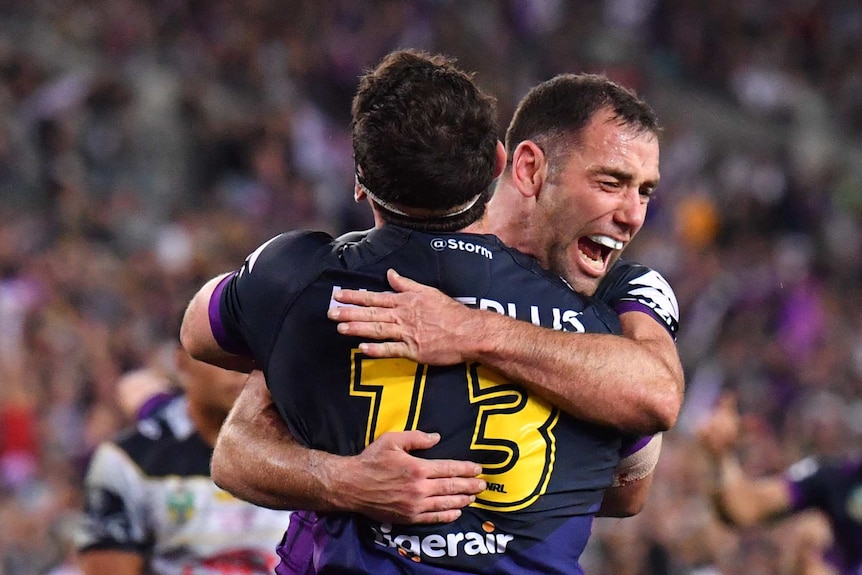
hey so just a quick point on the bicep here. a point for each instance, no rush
(645, 330)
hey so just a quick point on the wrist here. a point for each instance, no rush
(331, 492)
(483, 337)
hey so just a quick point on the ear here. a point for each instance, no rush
(501, 159)
(529, 168)
(358, 189)
(358, 192)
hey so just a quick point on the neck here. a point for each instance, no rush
(480, 226)
(509, 218)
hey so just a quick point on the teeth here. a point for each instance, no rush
(608, 242)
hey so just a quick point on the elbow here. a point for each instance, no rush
(656, 413)
(664, 407)
(666, 411)
(220, 471)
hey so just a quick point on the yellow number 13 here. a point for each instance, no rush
(513, 429)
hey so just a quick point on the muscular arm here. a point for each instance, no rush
(258, 460)
(634, 383)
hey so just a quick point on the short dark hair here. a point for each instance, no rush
(424, 136)
(554, 113)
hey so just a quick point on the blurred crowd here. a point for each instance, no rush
(146, 145)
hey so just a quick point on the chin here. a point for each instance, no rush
(582, 284)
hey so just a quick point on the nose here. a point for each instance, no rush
(631, 212)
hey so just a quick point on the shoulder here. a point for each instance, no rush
(286, 259)
(287, 245)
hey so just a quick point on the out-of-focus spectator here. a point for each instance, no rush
(150, 505)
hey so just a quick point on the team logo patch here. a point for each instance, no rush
(181, 505)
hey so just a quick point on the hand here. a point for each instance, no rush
(424, 324)
(720, 432)
(388, 484)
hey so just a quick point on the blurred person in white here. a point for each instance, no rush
(150, 504)
(830, 485)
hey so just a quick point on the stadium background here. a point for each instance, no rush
(147, 145)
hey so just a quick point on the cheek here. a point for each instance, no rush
(571, 216)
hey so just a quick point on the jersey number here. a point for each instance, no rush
(512, 428)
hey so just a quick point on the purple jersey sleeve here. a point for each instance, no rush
(633, 287)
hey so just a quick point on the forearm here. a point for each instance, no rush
(635, 386)
(286, 474)
(744, 501)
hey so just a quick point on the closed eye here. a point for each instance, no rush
(647, 192)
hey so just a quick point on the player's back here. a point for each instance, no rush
(545, 471)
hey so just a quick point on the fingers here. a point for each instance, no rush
(446, 498)
(442, 509)
(386, 349)
(379, 299)
(408, 440)
(453, 468)
(436, 468)
(402, 284)
(367, 328)
(364, 298)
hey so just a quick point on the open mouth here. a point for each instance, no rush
(595, 251)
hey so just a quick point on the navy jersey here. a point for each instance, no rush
(150, 493)
(836, 489)
(546, 471)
